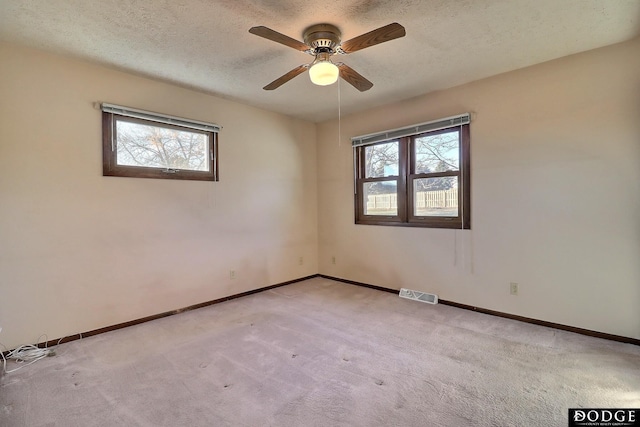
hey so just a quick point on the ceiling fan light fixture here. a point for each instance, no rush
(323, 72)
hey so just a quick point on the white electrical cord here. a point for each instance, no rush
(27, 354)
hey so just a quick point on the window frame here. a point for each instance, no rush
(405, 178)
(109, 152)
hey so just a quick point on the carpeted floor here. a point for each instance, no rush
(323, 353)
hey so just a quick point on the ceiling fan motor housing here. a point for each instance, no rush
(322, 38)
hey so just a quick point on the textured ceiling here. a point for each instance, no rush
(205, 44)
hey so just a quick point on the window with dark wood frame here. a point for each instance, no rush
(135, 146)
(420, 180)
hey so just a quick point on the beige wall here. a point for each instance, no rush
(80, 251)
(555, 196)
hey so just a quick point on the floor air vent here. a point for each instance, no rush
(419, 296)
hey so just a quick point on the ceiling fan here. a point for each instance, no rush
(323, 41)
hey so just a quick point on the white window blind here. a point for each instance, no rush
(447, 122)
(159, 118)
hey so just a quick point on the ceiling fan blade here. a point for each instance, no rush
(352, 77)
(277, 37)
(372, 38)
(285, 78)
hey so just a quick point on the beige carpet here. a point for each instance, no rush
(323, 353)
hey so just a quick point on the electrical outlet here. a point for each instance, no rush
(300, 261)
(333, 260)
(232, 274)
(513, 288)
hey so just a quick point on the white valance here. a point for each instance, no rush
(447, 122)
(159, 118)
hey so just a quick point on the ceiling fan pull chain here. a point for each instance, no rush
(339, 117)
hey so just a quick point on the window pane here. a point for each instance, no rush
(381, 160)
(381, 198)
(435, 196)
(437, 153)
(160, 147)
